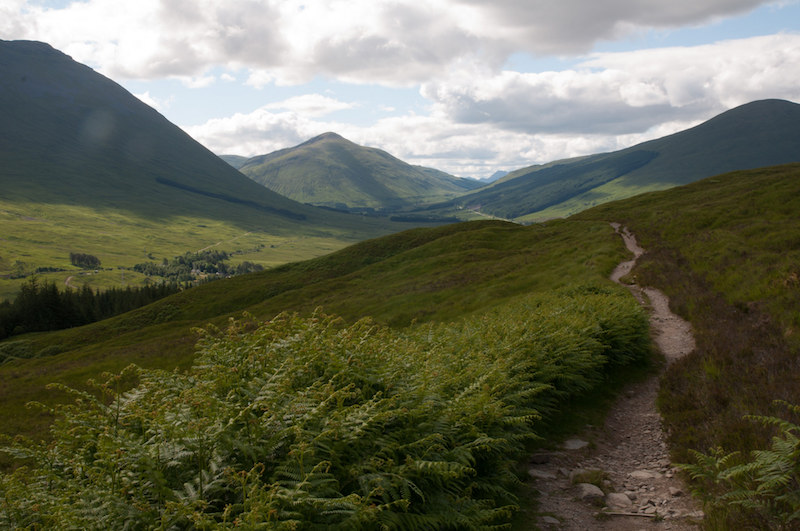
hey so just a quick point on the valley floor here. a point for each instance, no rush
(642, 489)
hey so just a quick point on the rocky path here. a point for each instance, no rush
(627, 456)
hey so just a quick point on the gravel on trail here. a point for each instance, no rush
(640, 487)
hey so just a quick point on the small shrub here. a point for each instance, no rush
(15, 350)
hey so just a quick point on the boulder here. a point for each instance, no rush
(537, 473)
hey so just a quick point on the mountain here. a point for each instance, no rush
(87, 167)
(67, 131)
(331, 171)
(757, 134)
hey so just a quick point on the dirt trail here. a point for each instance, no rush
(642, 490)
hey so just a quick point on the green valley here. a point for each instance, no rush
(85, 167)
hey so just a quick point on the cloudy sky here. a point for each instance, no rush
(466, 86)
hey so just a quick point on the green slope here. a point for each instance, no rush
(419, 275)
(86, 167)
(726, 250)
(331, 171)
(758, 134)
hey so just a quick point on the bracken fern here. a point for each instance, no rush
(305, 423)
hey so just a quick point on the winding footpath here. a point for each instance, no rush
(641, 489)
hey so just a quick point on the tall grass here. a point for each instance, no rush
(311, 422)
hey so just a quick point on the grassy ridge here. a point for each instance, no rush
(726, 251)
(423, 274)
(308, 422)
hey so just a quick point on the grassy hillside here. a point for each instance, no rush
(726, 250)
(554, 184)
(415, 276)
(331, 171)
(415, 417)
(86, 167)
(301, 423)
(757, 134)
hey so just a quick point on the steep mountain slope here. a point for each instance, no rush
(331, 171)
(757, 134)
(87, 167)
(78, 132)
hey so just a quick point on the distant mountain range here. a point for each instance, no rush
(87, 167)
(331, 171)
(761, 133)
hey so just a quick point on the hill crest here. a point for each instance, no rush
(330, 170)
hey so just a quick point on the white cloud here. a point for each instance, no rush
(394, 42)
(149, 100)
(480, 122)
(13, 17)
(196, 81)
(259, 132)
(574, 26)
(625, 93)
(259, 78)
(727, 73)
(311, 105)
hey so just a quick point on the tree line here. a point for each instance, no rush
(86, 261)
(187, 267)
(41, 306)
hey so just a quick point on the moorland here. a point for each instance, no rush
(397, 381)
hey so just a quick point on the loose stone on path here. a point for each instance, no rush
(629, 453)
